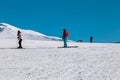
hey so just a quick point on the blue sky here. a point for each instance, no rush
(82, 18)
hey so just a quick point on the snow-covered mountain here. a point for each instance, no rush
(8, 31)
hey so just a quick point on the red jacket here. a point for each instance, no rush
(65, 34)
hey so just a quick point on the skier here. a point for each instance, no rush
(19, 37)
(64, 37)
(91, 39)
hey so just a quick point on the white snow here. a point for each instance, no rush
(42, 60)
(8, 31)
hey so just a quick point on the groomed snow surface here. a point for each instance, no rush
(42, 60)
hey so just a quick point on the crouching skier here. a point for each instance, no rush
(19, 37)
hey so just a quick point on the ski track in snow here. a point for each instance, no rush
(44, 61)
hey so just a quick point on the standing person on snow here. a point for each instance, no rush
(91, 39)
(64, 37)
(19, 37)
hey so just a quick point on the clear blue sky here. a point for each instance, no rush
(82, 18)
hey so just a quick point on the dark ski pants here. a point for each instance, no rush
(20, 43)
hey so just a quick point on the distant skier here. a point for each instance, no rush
(19, 37)
(64, 37)
(91, 39)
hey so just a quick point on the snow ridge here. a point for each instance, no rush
(8, 31)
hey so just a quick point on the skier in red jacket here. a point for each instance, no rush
(64, 37)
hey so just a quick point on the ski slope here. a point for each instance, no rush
(42, 60)
(8, 31)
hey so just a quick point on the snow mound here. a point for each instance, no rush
(8, 31)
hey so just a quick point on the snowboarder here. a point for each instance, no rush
(19, 37)
(64, 37)
(91, 39)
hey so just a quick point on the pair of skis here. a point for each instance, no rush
(68, 47)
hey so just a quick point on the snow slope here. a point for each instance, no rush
(44, 61)
(8, 31)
